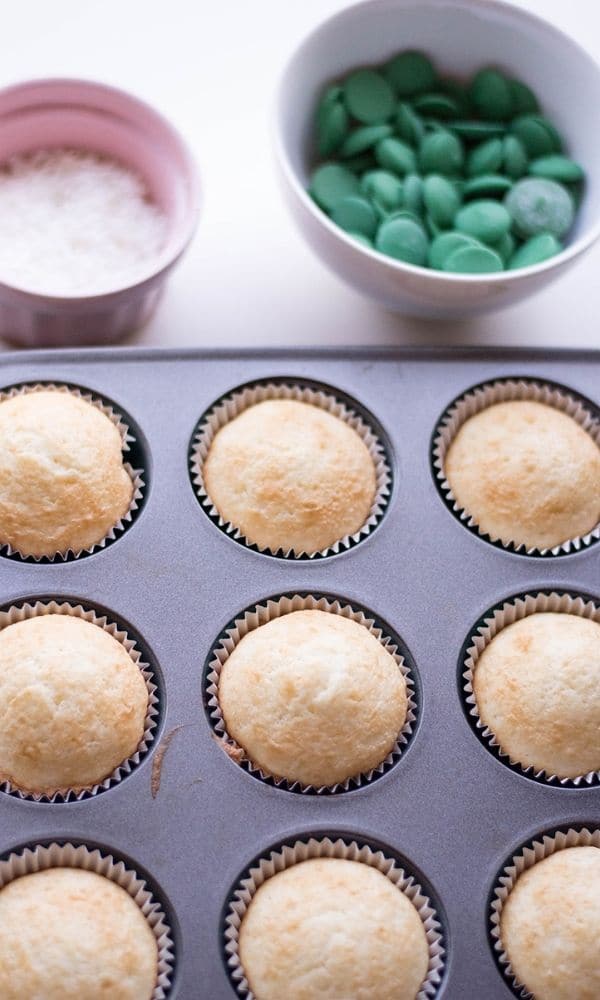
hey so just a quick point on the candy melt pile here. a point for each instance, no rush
(465, 178)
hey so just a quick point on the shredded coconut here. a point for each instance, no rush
(75, 223)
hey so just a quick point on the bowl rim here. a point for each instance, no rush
(480, 7)
(171, 253)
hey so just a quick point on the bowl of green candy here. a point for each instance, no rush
(440, 155)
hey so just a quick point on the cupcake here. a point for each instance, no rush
(73, 704)
(290, 476)
(332, 928)
(313, 697)
(527, 473)
(537, 689)
(550, 926)
(69, 934)
(63, 484)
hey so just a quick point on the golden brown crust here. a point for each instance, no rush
(63, 485)
(331, 928)
(290, 476)
(72, 704)
(527, 473)
(68, 934)
(313, 697)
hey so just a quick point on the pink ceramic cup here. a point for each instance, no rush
(43, 114)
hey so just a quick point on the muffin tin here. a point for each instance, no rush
(449, 811)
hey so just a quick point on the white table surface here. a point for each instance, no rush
(248, 279)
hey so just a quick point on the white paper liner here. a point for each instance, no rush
(506, 614)
(547, 845)
(136, 475)
(501, 391)
(35, 859)
(27, 611)
(234, 404)
(276, 608)
(302, 850)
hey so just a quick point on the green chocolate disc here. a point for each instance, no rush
(384, 189)
(355, 215)
(524, 100)
(404, 239)
(410, 73)
(477, 131)
(331, 182)
(539, 206)
(473, 260)
(413, 193)
(364, 138)
(487, 186)
(441, 152)
(369, 97)
(538, 136)
(393, 154)
(486, 158)
(490, 95)
(332, 126)
(409, 126)
(486, 220)
(445, 244)
(505, 247)
(556, 168)
(536, 250)
(514, 157)
(436, 106)
(441, 200)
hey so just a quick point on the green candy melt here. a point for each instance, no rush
(355, 215)
(404, 239)
(536, 250)
(364, 138)
(514, 157)
(393, 154)
(332, 126)
(487, 185)
(538, 136)
(410, 73)
(441, 152)
(474, 131)
(473, 260)
(436, 105)
(486, 158)
(446, 243)
(384, 189)
(408, 125)
(538, 206)
(556, 168)
(486, 220)
(413, 193)
(490, 94)
(331, 182)
(369, 97)
(442, 200)
(523, 98)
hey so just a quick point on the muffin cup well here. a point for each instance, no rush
(498, 618)
(276, 608)
(29, 860)
(26, 611)
(230, 406)
(136, 475)
(501, 391)
(528, 856)
(302, 850)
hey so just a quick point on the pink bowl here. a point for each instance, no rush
(45, 114)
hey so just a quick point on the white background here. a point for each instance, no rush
(248, 279)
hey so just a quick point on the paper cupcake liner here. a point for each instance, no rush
(29, 860)
(495, 620)
(136, 475)
(302, 850)
(501, 391)
(276, 608)
(528, 856)
(230, 406)
(26, 611)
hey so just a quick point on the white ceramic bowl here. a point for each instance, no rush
(460, 36)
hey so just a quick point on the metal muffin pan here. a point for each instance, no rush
(449, 808)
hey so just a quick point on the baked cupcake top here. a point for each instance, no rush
(332, 928)
(313, 697)
(550, 926)
(63, 484)
(72, 704)
(66, 933)
(290, 476)
(537, 688)
(526, 473)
